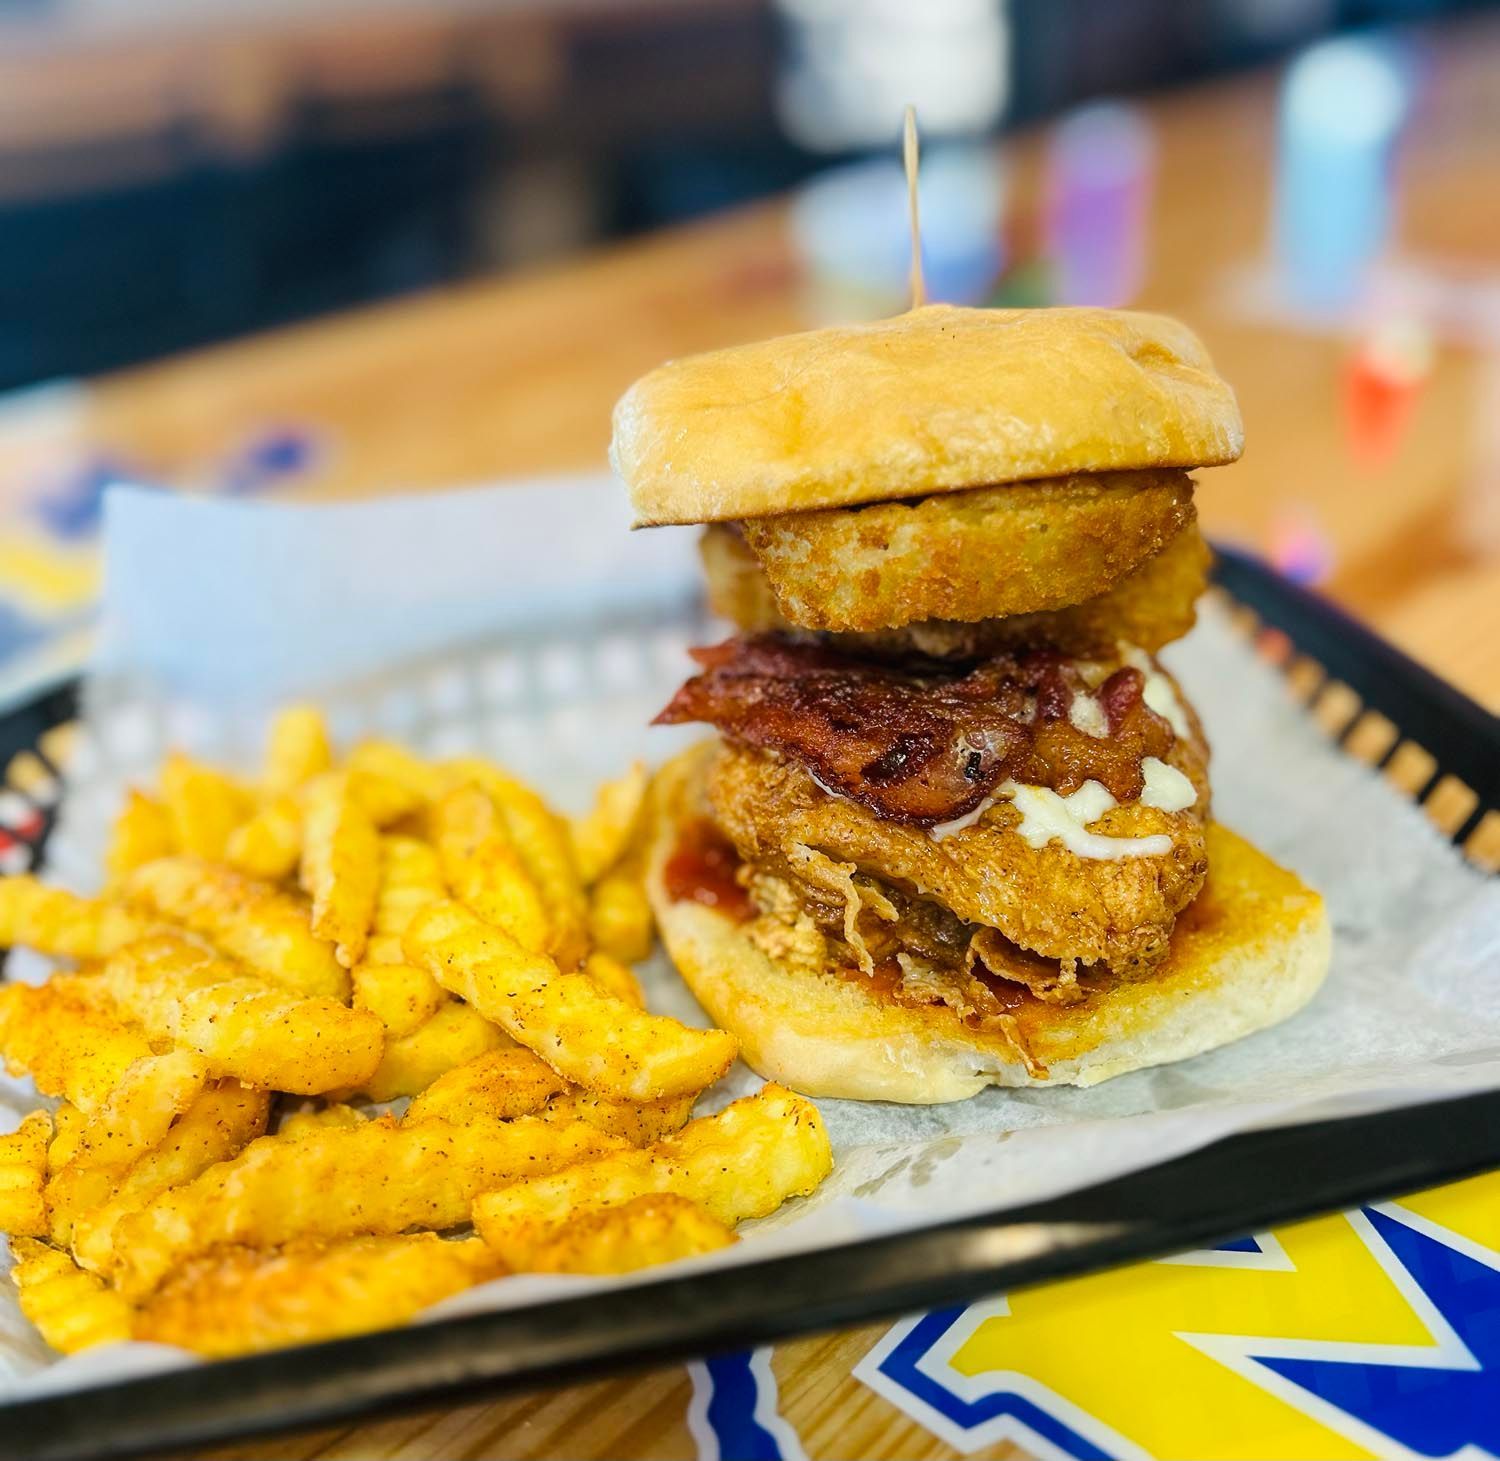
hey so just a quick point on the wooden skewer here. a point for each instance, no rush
(910, 153)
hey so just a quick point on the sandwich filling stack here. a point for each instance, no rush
(956, 826)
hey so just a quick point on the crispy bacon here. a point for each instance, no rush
(924, 744)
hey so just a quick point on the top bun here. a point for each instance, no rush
(936, 400)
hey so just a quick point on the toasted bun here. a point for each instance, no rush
(1251, 951)
(935, 400)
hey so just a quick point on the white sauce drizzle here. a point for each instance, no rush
(1047, 817)
(1166, 789)
(1158, 692)
(940, 830)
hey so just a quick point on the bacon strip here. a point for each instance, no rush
(925, 744)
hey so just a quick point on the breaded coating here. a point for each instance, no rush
(1116, 912)
(1013, 549)
(1152, 605)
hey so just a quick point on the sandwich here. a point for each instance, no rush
(954, 827)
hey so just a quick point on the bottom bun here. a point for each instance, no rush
(1249, 952)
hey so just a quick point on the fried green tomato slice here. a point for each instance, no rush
(1020, 548)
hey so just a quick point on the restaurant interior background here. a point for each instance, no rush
(1313, 184)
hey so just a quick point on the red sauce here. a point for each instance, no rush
(702, 869)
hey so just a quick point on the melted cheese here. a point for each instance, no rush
(1166, 787)
(1087, 714)
(1158, 692)
(1047, 817)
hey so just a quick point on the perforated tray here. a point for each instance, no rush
(1433, 743)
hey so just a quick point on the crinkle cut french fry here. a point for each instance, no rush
(340, 866)
(601, 836)
(298, 748)
(205, 805)
(375, 1179)
(656, 1228)
(389, 762)
(178, 991)
(455, 1033)
(742, 1163)
(269, 844)
(67, 1127)
(71, 1309)
(483, 868)
(614, 978)
(23, 1172)
(67, 1038)
(584, 1034)
(383, 799)
(141, 833)
(546, 850)
(411, 877)
(301, 1123)
(495, 1086)
(260, 926)
(244, 1300)
(225, 1118)
(63, 925)
(620, 917)
(639, 1122)
(504, 1084)
(134, 1120)
(401, 996)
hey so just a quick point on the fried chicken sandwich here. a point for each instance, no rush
(956, 827)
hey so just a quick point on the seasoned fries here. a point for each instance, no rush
(743, 1163)
(658, 1228)
(141, 834)
(297, 749)
(269, 845)
(601, 837)
(583, 1033)
(374, 1179)
(484, 870)
(177, 990)
(620, 917)
(225, 1118)
(70, 1042)
(340, 866)
(275, 955)
(455, 1033)
(401, 997)
(546, 852)
(61, 925)
(615, 979)
(245, 1300)
(259, 925)
(130, 1123)
(203, 805)
(492, 1087)
(72, 1309)
(23, 1170)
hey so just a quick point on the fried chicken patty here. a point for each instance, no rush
(1118, 913)
(1150, 606)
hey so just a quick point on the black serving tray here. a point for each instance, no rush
(1246, 1182)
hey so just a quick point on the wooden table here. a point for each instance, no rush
(518, 377)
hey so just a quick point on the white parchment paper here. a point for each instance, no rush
(1410, 1012)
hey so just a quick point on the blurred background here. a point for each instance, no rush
(414, 243)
